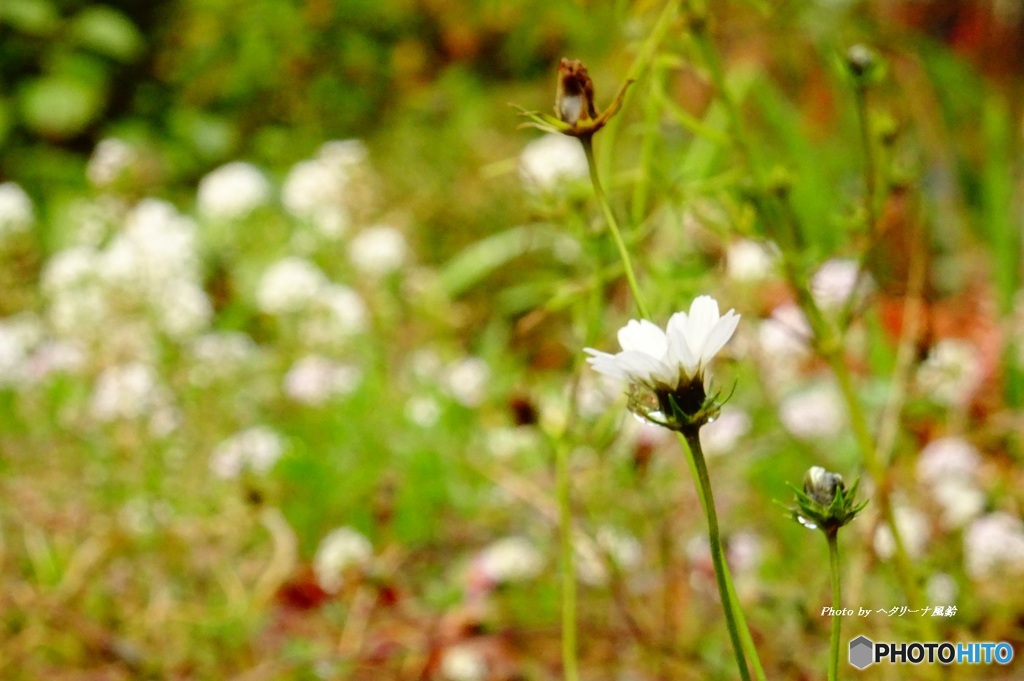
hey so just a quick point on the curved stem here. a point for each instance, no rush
(729, 607)
(837, 606)
(613, 227)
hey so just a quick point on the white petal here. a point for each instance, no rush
(679, 352)
(606, 364)
(643, 368)
(643, 336)
(703, 316)
(719, 335)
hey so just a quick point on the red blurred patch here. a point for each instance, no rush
(302, 592)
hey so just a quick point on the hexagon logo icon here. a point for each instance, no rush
(861, 652)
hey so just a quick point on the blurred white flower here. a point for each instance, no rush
(425, 364)
(596, 394)
(345, 153)
(313, 380)
(463, 662)
(622, 548)
(182, 309)
(942, 588)
(232, 191)
(466, 380)
(126, 392)
(157, 246)
(423, 410)
(16, 211)
(219, 355)
(378, 250)
(834, 282)
(347, 306)
(745, 551)
(994, 546)
(77, 306)
(947, 457)
(70, 269)
(959, 499)
(314, 191)
(148, 271)
(506, 443)
(947, 467)
(748, 261)
(508, 560)
(721, 435)
(79, 313)
(951, 374)
(320, 190)
(92, 220)
(815, 412)
(914, 531)
(744, 554)
(785, 335)
(335, 313)
(340, 551)
(19, 334)
(164, 421)
(548, 161)
(53, 357)
(255, 449)
(289, 285)
(672, 358)
(610, 544)
(110, 161)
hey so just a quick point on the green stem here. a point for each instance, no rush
(708, 53)
(870, 201)
(566, 564)
(837, 605)
(613, 227)
(748, 641)
(729, 607)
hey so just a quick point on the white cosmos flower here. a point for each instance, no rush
(672, 358)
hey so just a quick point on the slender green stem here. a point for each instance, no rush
(566, 564)
(870, 168)
(870, 193)
(692, 436)
(706, 48)
(613, 227)
(837, 606)
(748, 641)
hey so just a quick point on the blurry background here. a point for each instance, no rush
(290, 309)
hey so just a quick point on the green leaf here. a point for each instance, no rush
(32, 17)
(59, 106)
(107, 32)
(482, 258)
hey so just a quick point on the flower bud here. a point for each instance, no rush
(825, 503)
(821, 485)
(864, 64)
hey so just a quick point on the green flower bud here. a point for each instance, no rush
(825, 503)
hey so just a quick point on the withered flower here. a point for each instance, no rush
(577, 114)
